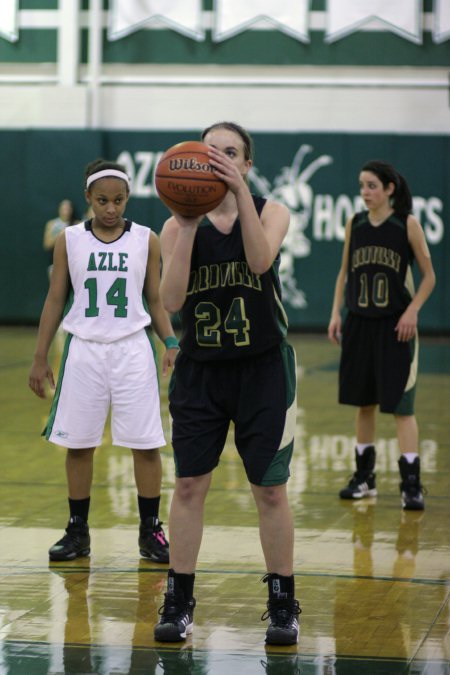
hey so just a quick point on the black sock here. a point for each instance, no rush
(148, 507)
(182, 582)
(281, 587)
(80, 508)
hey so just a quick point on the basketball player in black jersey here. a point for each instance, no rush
(379, 334)
(220, 273)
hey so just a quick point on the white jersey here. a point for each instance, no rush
(106, 302)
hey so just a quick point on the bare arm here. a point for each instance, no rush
(160, 318)
(50, 319)
(177, 240)
(407, 324)
(335, 324)
(49, 236)
(262, 235)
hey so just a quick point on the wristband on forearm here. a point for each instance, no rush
(171, 342)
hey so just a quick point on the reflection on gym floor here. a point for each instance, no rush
(373, 581)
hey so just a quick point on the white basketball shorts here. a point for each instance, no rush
(95, 377)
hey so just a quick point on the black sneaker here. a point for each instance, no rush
(362, 483)
(76, 543)
(152, 541)
(411, 488)
(177, 618)
(283, 614)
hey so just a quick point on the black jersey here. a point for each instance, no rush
(229, 311)
(379, 275)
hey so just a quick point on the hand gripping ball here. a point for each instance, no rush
(185, 180)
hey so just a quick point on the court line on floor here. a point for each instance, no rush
(15, 570)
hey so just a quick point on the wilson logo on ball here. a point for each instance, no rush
(186, 182)
(191, 164)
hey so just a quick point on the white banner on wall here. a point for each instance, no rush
(9, 20)
(235, 16)
(182, 16)
(441, 29)
(402, 17)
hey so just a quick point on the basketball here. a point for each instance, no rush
(185, 180)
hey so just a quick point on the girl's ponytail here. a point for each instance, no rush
(401, 198)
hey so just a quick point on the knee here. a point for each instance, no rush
(80, 454)
(272, 496)
(404, 418)
(151, 455)
(190, 490)
(367, 410)
(405, 421)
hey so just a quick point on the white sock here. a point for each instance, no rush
(410, 456)
(360, 447)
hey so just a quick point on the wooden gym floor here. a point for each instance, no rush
(373, 581)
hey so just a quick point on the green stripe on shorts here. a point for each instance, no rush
(49, 426)
(278, 471)
(405, 406)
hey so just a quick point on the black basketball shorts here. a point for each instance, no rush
(375, 367)
(258, 394)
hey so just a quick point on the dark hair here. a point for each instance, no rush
(101, 165)
(232, 126)
(402, 201)
(72, 219)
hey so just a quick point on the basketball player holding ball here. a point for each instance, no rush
(234, 364)
(186, 182)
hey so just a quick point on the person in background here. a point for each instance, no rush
(65, 218)
(378, 338)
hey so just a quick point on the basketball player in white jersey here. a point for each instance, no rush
(105, 285)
